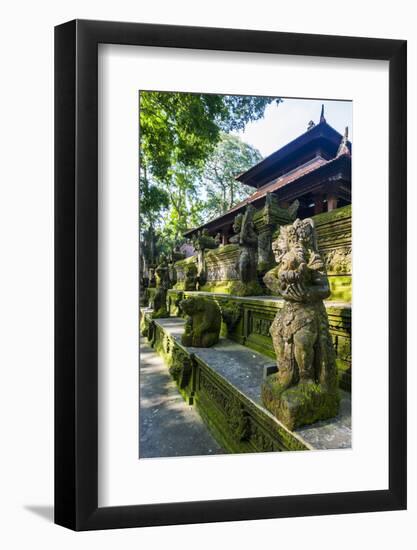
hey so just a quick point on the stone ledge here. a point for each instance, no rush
(251, 329)
(229, 376)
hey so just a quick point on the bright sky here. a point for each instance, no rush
(284, 122)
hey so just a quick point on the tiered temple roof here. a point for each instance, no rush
(314, 168)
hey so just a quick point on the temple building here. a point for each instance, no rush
(314, 168)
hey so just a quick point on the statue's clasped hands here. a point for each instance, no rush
(296, 292)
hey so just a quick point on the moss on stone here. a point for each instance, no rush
(238, 425)
(301, 404)
(219, 287)
(224, 250)
(340, 288)
(246, 289)
(150, 293)
(231, 313)
(333, 215)
(186, 261)
(203, 324)
(179, 286)
(144, 324)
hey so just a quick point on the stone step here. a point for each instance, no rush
(240, 369)
(255, 315)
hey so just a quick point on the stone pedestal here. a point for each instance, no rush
(299, 405)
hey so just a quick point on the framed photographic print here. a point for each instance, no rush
(230, 275)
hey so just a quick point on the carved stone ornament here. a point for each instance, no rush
(304, 389)
(231, 313)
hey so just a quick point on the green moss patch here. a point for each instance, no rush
(340, 288)
(333, 215)
(246, 289)
(219, 287)
(299, 405)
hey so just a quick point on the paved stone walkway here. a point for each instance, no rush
(167, 425)
(244, 369)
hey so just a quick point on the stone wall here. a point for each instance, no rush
(221, 268)
(334, 231)
(180, 268)
(247, 321)
(238, 423)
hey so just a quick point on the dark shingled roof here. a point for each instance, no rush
(321, 137)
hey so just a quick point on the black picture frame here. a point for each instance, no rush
(76, 271)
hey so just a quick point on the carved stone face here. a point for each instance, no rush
(304, 230)
(279, 247)
(188, 306)
(285, 241)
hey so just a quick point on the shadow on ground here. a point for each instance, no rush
(168, 426)
(45, 512)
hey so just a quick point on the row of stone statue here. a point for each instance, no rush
(254, 258)
(304, 388)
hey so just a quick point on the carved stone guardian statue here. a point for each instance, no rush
(202, 327)
(201, 242)
(304, 389)
(162, 285)
(190, 282)
(152, 278)
(246, 264)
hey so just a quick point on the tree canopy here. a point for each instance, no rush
(184, 140)
(231, 157)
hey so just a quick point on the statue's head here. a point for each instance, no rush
(191, 270)
(188, 305)
(305, 232)
(286, 239)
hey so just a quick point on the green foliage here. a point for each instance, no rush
(183, 128)
(231, 157)
(179, 132)
(152, 200)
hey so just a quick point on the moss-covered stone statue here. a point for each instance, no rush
(152, 278)
(246, 265)
(202, 327)
(304, 389)
(271, 216)
(202, 241)
(190, 280)
(176, 254)
(162, 285)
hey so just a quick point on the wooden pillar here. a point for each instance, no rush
(331, 202)
(224, 237)
(318, 204)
